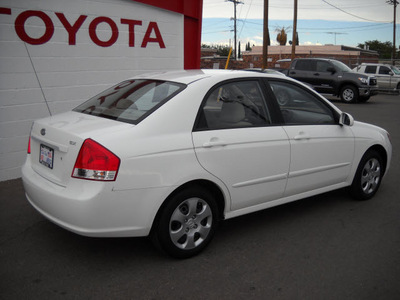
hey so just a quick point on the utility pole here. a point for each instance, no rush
(265, 36)
(235, 3)
(294, 38)
(394, 3)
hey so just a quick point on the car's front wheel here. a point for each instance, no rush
(349, 94)
(187, 223)
(368, 176)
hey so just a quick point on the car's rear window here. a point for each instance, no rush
(131, 101)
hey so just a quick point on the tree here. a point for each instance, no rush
(222, 50)
(384, 49)
(239, 54)
(206, 46)
(248, 47)
(281, 37)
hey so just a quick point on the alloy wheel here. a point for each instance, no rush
(190, 223)
(370, 176)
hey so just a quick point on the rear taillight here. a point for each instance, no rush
(95, 162)
(29, 146)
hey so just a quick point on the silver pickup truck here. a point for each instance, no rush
(388, 76)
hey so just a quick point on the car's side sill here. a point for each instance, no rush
(247, 210)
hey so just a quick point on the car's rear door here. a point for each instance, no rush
(235, 141)
(302, 69)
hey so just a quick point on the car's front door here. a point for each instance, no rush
(323, 78)
(384, 77)
(235, 141)
(321, 149)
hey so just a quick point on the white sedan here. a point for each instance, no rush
(171, 154)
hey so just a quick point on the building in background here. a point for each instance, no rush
(279, 56)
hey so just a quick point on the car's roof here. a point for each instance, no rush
(315, 58)
(189, 76)
(375, 64)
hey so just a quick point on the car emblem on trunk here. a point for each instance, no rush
(43, 131)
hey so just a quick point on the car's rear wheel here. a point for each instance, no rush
(187, 223)
(349, 94)
(368, 176)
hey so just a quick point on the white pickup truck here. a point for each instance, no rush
(388, 76)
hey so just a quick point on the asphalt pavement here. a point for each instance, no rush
(324, 247)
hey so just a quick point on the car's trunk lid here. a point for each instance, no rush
(56, 141)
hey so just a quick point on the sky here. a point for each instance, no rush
(319, 22)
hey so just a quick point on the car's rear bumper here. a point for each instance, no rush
(92, 208)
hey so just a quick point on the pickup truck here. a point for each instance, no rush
(388, 76)
(329, 76)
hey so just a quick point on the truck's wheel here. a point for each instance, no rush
(349, 94)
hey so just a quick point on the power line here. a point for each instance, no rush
(244, 22)
(338, 8)
(219, 31)
(331, 28)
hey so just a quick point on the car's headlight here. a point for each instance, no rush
(363, 80)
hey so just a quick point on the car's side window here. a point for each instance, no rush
(306, 65)
(322, 66)
(384, 70)
(300, 107)
(370, 69)
(234, 105)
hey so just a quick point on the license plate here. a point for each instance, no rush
(46, 156)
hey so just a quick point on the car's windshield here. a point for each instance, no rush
(395, 70)
(130, 101)
(341, 66)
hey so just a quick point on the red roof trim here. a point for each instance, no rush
(189, 8)
(192, 11)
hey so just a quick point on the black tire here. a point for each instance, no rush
(368, 177)
(187, 223)
(349, 94)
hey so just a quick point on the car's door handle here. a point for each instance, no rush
(214, 143)
(316, 74)
(302, 136)
(292, 72)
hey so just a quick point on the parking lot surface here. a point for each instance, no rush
(324, 247)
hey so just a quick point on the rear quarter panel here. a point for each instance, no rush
(158, 152)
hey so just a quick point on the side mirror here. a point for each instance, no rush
(346, 119)
(331, 69)
(391, 73)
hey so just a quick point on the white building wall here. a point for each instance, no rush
(55, 76)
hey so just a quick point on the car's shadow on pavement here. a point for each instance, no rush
(237, 231)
